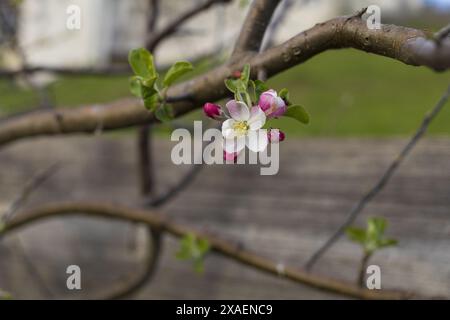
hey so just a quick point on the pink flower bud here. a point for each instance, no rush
(275, 135)
(212, 110)
(236, 74)
(230, 156)
(272, 104)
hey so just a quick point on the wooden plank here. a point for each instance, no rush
(285, 217)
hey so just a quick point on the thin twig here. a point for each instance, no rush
(155, 38)
(184, 182)
(442, 34)
(30, 186)
(362, 268)
(219, 245)
(358, 207)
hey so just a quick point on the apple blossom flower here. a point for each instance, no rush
(272, 104)
(275, 135)
(244, 128)
(212, 110)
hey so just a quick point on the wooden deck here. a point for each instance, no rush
(285, 217)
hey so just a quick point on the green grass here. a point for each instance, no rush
(346, 92)
(349, 93)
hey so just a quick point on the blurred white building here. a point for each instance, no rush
(109, 28)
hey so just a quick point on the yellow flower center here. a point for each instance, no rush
(241, 127)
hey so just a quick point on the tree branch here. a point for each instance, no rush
(230, 250)
(379, 185)
(276, 21)
(403, 44)
(29, 187)
(155, 38)
(254, 27)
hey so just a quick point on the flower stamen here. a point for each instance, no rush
(241, 127)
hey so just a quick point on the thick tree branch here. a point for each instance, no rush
(407, 45)
(254, 27)
(228, 249)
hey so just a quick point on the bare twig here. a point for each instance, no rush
(442, 34)
(358, 207)
(185, 181)
(156, 37)
(362, 268)
(31, 185)
(217, 244)
(150, 262)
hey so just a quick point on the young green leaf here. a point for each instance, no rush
(151, 102)
(176, 71)
(284, 94)
(164, 112)
(260, 87)
(371, 238)
(245, 74)
(136, 86)
(141, 61)
(356, 234)
(230, 84)
(297, 112)
(375, 228)
(199, 266)
(193, 249)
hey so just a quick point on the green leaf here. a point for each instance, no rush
(260, 87)
(203, 246)
(284, 94)
(356, 234)
(297, 112)
(245, 74)
(152, 102)
(199, 266)
(2, 226)
(164, 112)
(135, 86)
(230, 84)
(387, 243)
(141, 61)
(193, 249)
(375, 228)
(176, 71)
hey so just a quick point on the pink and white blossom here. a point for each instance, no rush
(272, 104)
(244, 128)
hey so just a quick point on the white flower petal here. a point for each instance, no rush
(257, 140)
(227, 128)
(234, 145)
(257, 118)
(238, 110)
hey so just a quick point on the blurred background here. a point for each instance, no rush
(362, 109)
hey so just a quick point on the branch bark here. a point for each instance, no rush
(228, 249)
(254, 27)
(407, 45)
